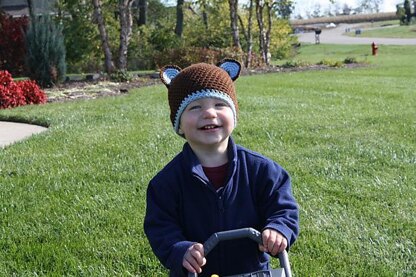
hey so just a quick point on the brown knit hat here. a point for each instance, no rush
(200, 81)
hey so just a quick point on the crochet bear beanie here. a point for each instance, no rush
(200, 81)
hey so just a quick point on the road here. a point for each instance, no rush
(335, 36)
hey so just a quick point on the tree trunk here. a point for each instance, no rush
(249, 35)
(204, 13)
(260, 22)
(268, 32)
(234, 22)
(414, 8)
(407, 11)
(31, 8)
(126, 22)
(142, 20)
(109, 65)
(264, 33)
(205, 19)
(179, 18)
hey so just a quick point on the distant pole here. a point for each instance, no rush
(317, 33)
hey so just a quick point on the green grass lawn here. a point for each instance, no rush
(73, 198)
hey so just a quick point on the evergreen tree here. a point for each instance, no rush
(45, 57)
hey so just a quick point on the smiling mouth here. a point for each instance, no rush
(209, 127)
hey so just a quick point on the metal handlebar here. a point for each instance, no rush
(250, 233)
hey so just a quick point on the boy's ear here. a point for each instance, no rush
(168, 73)
(232, 67)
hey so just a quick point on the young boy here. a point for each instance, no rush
(214, 184)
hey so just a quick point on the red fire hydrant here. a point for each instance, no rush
(374, 48)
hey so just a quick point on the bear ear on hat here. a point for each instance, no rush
(232, 67)
(168, 73)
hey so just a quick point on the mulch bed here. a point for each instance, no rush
(73, 90)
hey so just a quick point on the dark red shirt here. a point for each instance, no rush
(217, 175)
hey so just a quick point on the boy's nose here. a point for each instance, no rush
(209, 112)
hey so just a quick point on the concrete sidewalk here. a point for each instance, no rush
(11, 132)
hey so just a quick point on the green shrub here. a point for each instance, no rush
(331, 63)
(294, 63)
(82, 43)
(121, 76)
(350, 60)
(45, 51)
(282, 45)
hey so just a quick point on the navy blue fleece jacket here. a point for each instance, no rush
(183, 208)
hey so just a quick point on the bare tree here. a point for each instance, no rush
(234, 22)
(316, 12)
(370, 5)
(126, 23)
(346, 10)
(109, 65)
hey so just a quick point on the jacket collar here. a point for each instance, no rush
(194, 165)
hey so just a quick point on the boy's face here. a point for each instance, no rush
(207, 122)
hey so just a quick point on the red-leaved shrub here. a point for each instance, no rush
(32, 93)
(13, 94)
(12, 43)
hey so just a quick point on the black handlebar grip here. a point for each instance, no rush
(251, 233)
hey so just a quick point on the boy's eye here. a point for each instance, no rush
(194, 107)
(221, 104)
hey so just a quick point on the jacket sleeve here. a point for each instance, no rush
(276, 202)
(162, 228)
